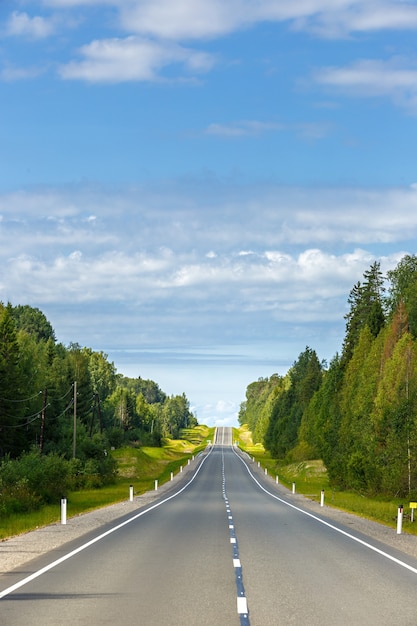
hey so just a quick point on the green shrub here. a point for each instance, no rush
(116, 437)
(18, 498)
(34, 479)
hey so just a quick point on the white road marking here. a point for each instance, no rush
(335, 528)
(47, 568)
(242, 605)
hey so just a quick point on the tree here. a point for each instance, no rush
(356, 439)
(353, 322)
(12, 407)
(102, 373)
(305, 378)
(79, 360)
(366, 309)
(395, 418)
(148, 388)
(256, 410)
(33, 321)
(321, 420)
(403, 289)
(176, 415)
(123, 403)
(144, 412)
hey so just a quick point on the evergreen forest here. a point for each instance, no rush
(62, 410)
(358, 414)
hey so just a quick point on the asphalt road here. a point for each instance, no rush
(230, 548)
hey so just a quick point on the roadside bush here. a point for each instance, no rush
(46, 477)
(34, 479)
(115, 437)
(18, 498)
(76, 478)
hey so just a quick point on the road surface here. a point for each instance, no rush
(228, 547)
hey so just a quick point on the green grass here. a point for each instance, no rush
(139, 467)
(310, 477)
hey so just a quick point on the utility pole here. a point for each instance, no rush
(100, 418)
(45, 395)
(74, 443)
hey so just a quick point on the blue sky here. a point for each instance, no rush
(194, 187)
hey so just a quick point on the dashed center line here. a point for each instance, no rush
(242, 604)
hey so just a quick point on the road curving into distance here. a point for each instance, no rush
(227, 547)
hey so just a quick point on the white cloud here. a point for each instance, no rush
(395, 79)
(180, 267)
(11, 73)
(358, 16)
(255, 128)
(211, 217)
(205, 19)
(22, 25)
(245, 128)
(278, 253)
(191, 282)
(193, 19)
(183, 19)
(157, 29)
(310, 131)
(132, 59)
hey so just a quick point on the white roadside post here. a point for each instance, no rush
(63, 510)
(276, 479)
(293, 487)
(172, 475)
(322, 498)
(400, 519)
(156, 485)
(131, 493)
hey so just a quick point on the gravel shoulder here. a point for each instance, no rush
(386, 535)
(21, 549)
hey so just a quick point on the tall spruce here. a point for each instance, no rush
(305, 378)
(366, 309)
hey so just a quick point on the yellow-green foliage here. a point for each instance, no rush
(139, 467)
(310, 477)
(260, 396)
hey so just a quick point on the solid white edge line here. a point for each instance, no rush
(47, 568)
(321, 521)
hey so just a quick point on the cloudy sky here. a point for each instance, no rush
(194, 186)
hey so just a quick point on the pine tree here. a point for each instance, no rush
(11, 407)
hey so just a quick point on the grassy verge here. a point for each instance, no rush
(139, 467)
(310, 478)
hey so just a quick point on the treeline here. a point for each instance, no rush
(67, 406)
(359, 413)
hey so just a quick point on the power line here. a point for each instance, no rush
(35, 417)
(23, 399)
